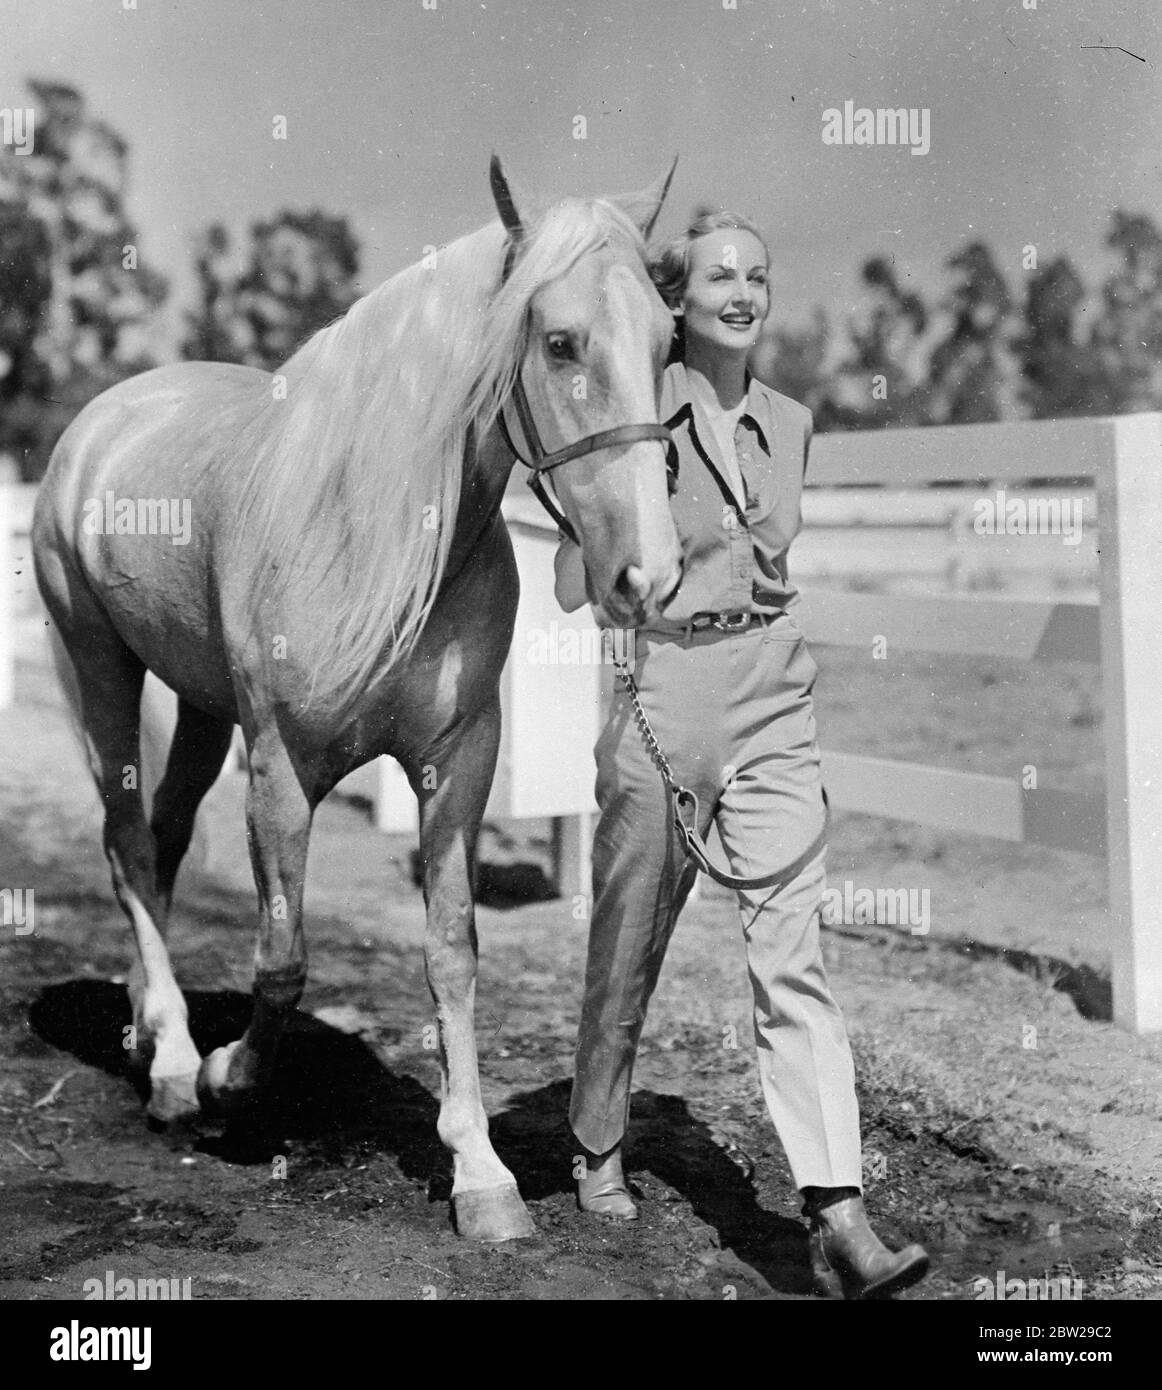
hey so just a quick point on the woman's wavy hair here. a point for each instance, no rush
(669, 264)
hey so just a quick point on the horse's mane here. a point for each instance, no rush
(351, 481)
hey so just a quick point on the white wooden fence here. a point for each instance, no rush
(1123, 458)
(552, 708)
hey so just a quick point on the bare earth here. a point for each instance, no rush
(1002, 1126)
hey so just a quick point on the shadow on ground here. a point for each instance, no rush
(327, 1087)
(331, 1091)
(666, 1142)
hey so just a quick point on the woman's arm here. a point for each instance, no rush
(570, 572)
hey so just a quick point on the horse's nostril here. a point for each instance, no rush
(632, 584)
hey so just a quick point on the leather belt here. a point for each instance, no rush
(702, 622)
(724, 622)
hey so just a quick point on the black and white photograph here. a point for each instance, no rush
(580, 662)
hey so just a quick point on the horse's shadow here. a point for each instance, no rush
(328, 1088)
(330, 1091)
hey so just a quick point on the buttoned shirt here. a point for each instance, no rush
(734, 548)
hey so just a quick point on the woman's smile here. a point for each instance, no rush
(726, 297)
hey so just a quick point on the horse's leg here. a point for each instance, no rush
(278, 824)
(199, 748)
(485, 1198)
(200, 745)
(110, 679)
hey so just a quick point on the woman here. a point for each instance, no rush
(726, 682)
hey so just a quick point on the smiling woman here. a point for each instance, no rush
(721, 270)
(724, 678)
(693, 271)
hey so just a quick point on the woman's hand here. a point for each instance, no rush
(571, 589)
(570, 571)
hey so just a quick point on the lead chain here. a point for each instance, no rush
(652, 746)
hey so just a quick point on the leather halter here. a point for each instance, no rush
(542, 461)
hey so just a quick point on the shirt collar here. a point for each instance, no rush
(678, 402)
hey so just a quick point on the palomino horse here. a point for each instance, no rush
(345, 587)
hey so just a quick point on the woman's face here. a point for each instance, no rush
(727, 295)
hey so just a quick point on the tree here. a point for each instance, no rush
(66, 228)
(25, 292)
(299, 274)
(1061, 374)
(881, 381)
(792, 360)
(209, 328)
(1128, 334)
(967, 370)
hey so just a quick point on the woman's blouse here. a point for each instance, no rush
(734, 547)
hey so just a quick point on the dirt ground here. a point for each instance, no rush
(1008, 1124)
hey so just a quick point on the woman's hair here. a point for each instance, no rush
(669, 264)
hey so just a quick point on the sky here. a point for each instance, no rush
(393, 108)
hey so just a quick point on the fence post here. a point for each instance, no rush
(395, 810)
(1130, 527)
(573, 854)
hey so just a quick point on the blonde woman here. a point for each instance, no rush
(726, 682)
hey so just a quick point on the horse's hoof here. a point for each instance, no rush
(173, 1098)
(492, 1213)
(216, 1095)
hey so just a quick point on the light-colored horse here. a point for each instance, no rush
(319, 556)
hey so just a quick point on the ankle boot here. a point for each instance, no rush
(602, 1191)
(850, 1261)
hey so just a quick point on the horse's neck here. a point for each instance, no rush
(487, 465)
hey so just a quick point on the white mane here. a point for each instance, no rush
(352, 482)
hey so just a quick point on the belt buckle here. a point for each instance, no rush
(732, 622)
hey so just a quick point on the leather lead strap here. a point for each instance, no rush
(692, 841)
(695, 847)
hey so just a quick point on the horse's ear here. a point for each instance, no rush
(643, 208)
(505, 203)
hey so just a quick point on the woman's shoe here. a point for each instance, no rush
(602, 1191)
(848, 1259)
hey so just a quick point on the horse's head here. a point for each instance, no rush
(595, 345)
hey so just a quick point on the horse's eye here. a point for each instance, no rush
(558, 346)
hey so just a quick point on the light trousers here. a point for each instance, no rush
(733, 714)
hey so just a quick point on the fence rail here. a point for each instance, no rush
(1121, 456)
(1016, 629)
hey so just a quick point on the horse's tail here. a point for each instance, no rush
(158, 720)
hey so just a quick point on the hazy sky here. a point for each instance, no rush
(392, 110)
